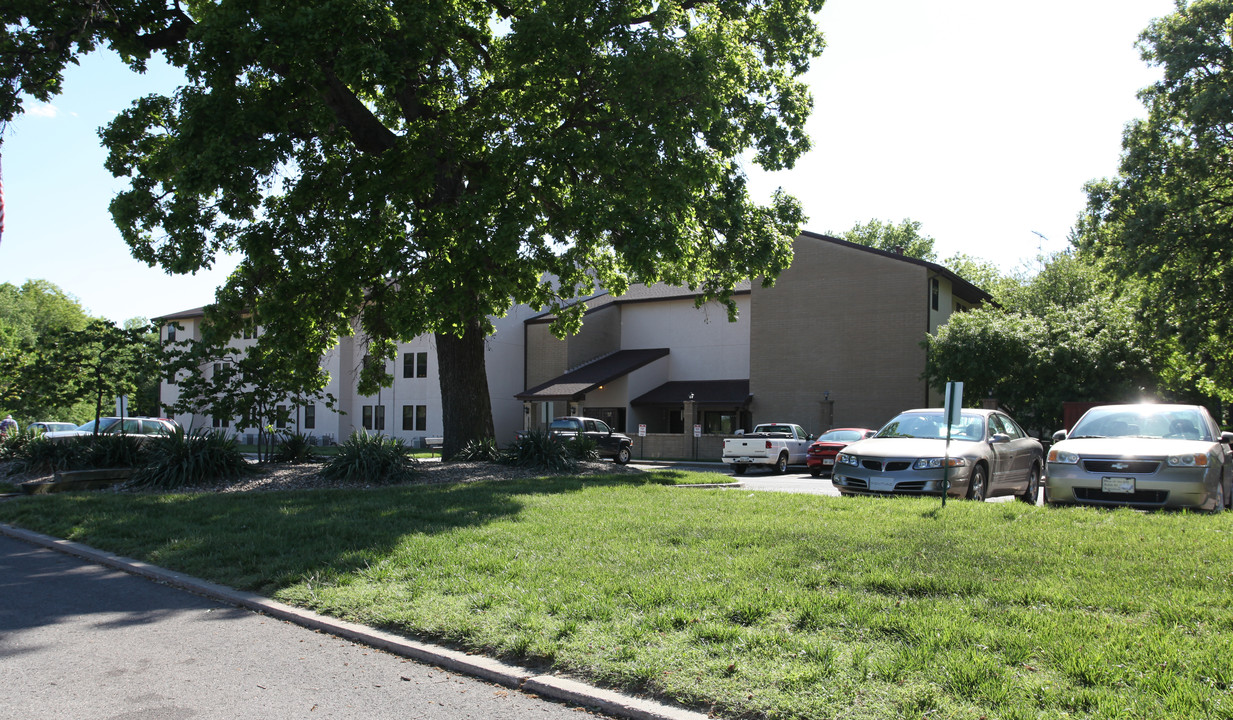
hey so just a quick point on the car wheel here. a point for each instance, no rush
(1033, 488)
(739, 469)
(622, 456)
(781, 465)
(1219, 506)
(976, 484)
(815, 472)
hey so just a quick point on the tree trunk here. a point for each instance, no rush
(466, 408)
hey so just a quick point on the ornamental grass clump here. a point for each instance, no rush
(114, 451)
(38, 455)
(370, 459)
(295, 448)
(479, 450)
(182, 459)
(539, 449)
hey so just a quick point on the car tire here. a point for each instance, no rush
(781, 465)
(739, 469)
(978, 484)
(1032, 492)
(815, 472)
(622, 456)
(1220, 500)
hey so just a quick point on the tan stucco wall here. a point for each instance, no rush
(841, 320)
(600, 335)
(547, 357)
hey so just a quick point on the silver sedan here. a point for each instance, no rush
(988, 455)
(1146, 456)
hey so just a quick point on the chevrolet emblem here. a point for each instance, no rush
(1121, 466)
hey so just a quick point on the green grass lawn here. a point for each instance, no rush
(746, 604)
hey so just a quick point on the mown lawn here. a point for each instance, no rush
(746, 604)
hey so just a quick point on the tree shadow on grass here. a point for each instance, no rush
(266, 541)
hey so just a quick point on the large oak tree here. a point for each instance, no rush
(399, 167)
(1166, 219)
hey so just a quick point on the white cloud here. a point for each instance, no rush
(46, 110)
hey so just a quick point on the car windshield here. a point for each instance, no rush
(840, 436)
(1142, 422)
(104, 424)
(931, 426)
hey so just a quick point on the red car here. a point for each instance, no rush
(822, 451)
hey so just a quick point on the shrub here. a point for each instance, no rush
(582, 447)
(539, 449)
(13, 445)
(114, 451)
(184, 459)
(39, 456)
(481, 450)
(295, 448)
(371, 459)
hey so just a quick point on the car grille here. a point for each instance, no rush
(1141, 497)
(1120, 467)
(891, 466)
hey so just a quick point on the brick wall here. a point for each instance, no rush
(840, 320)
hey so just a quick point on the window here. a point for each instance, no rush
(421, 365)
(933, 292)
(379, 420)
(250, 329)
(171, 378)
(221, 422)
(171, 333)
(415, 365)
(415, 417)
(366, 419)
(408, 366)
(310, 417)
(720, 422)
(280, 417)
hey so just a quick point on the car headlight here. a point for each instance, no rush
(1188, 460)
(1065, 457)
(846, 459)
(932, 463)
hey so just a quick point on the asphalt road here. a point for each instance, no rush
(78, 640)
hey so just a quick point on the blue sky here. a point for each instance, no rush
(981, 120)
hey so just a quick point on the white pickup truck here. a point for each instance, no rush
(771, 445)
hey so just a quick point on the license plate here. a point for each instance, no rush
(1117, 484)
(882, 484)
(828, 462)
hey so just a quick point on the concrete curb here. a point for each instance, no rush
(549, 686)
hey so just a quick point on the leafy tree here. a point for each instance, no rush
(63, 367)
(1166, 219)
(1068, 334)
(249, 384)
(886, 236)
(983, 274)
(397, 167)
(29, 315)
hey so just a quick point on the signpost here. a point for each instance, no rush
(953, 411)
(642, 441)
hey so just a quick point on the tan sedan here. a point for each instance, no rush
(1145, 456)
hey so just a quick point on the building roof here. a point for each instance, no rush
(183, 314)
(703, 392)
(587, 378)
(961, 288)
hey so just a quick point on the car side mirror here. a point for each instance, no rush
(999, 438)
(1060, 435)
(1226, 437)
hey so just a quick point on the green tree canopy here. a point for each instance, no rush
(400, 167)
(1166, 219)
(887, 236)
(1070, 333)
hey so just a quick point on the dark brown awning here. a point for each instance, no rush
(574, 384)
(706, 392)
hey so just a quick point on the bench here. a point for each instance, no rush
(434, 443)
